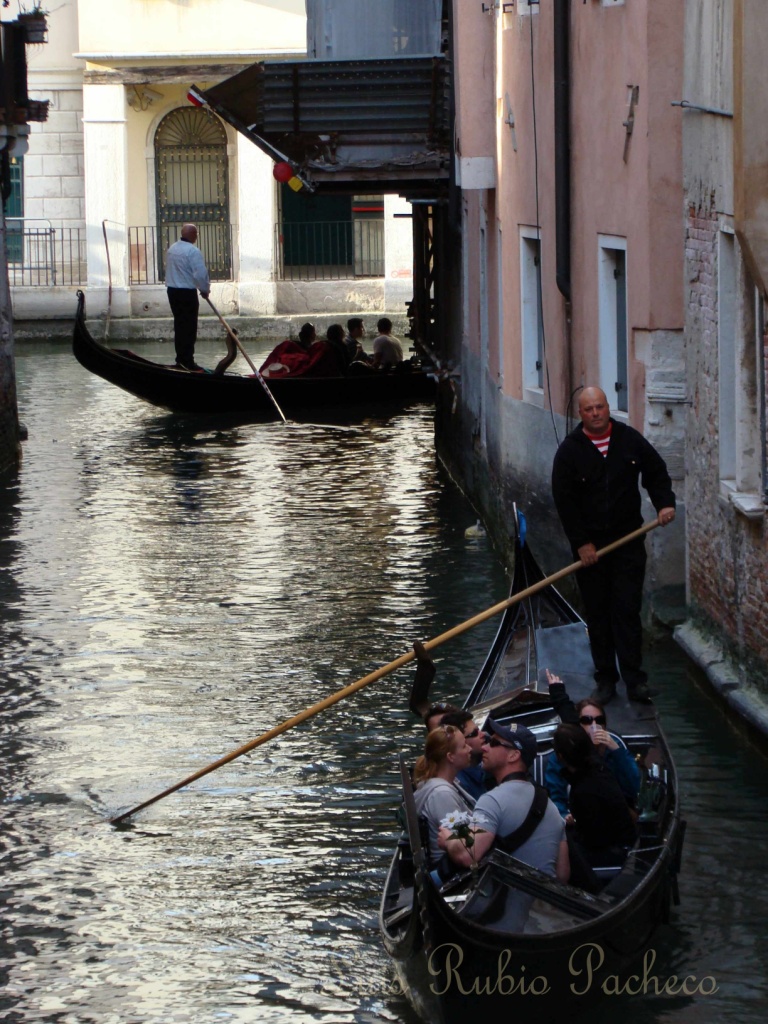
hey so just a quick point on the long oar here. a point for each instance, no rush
(247, 358)
(383, 671)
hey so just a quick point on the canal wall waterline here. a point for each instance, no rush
(726, 675)
(249, 328)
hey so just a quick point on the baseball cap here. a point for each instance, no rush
(516, 735)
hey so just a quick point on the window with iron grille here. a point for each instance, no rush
(192, 186)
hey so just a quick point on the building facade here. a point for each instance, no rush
(726, 251)
(124, 159)
(571, 266)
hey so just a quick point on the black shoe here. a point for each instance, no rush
(604, 692)
(642, 693)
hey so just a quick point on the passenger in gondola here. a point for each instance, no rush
(354, 340)
(291, 357)
(518, 817)
(473, 779)
(436, 793)
(609, 748)
(387, 349)
(336, 354)
(603, 828)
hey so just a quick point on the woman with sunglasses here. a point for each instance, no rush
(610, 749)
(436, 792)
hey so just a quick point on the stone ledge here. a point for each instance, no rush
(723, 674)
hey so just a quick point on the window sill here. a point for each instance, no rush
(535, 396)
(747, 504)
(751, 506)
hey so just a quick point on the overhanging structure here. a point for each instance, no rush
(381, 125)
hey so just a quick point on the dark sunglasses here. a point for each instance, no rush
(494, 741)
(471, 735)
(589, 719)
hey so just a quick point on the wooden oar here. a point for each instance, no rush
(383, 671)
(247, 358)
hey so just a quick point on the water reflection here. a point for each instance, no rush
(172, 589)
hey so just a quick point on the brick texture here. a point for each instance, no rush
(727, 553)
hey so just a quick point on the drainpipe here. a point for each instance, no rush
(562, 73)
(562, 14)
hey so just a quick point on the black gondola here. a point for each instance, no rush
(244, 396)
(577, 946)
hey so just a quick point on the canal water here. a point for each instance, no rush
(171, 589)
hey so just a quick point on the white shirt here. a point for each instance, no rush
(389, 349)
(185, 267)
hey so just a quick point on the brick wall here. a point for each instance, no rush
(727, 553)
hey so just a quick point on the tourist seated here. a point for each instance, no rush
(290, 357)
(436, 793)
(387, 349)
(354, 340)
(472, 779)
(609, 748)
(602, 828)
(334, 338)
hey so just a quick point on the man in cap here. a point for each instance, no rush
(508, 753)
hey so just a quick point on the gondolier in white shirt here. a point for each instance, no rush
(185, 275)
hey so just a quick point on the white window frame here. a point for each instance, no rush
(531, 315)
(726, 359)
(609, 314)
(740, 386)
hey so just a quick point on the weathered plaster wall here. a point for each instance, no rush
(501, 437)
(727, 549)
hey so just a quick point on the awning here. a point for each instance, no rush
(379, 122)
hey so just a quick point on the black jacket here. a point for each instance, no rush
(598, 496)
(600, 809)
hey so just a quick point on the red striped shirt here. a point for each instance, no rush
(601, 441)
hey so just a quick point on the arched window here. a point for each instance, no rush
(192, 185)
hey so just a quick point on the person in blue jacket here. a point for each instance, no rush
(610, 748)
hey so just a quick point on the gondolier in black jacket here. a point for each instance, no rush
(595, 485)
(185, 275)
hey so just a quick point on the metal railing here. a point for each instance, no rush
(39, 254)
(148, 246)
(329, 250)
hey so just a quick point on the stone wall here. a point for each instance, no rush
(54, 180)
(727, 550)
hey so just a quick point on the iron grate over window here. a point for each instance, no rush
(192, 186)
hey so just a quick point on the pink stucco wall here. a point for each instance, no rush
(639, 43)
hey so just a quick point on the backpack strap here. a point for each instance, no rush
(513, 840)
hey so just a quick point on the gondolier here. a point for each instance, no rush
(595, 485)
(185, 275)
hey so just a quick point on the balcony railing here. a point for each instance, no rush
(148, 246)
(39, 254)
(329, 250)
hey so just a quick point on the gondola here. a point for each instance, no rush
(244, 396)
(450, 959)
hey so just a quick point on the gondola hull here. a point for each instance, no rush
(453, 959)
(206, 394)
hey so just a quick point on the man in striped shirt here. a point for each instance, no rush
(185, 275)
(595, 484)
